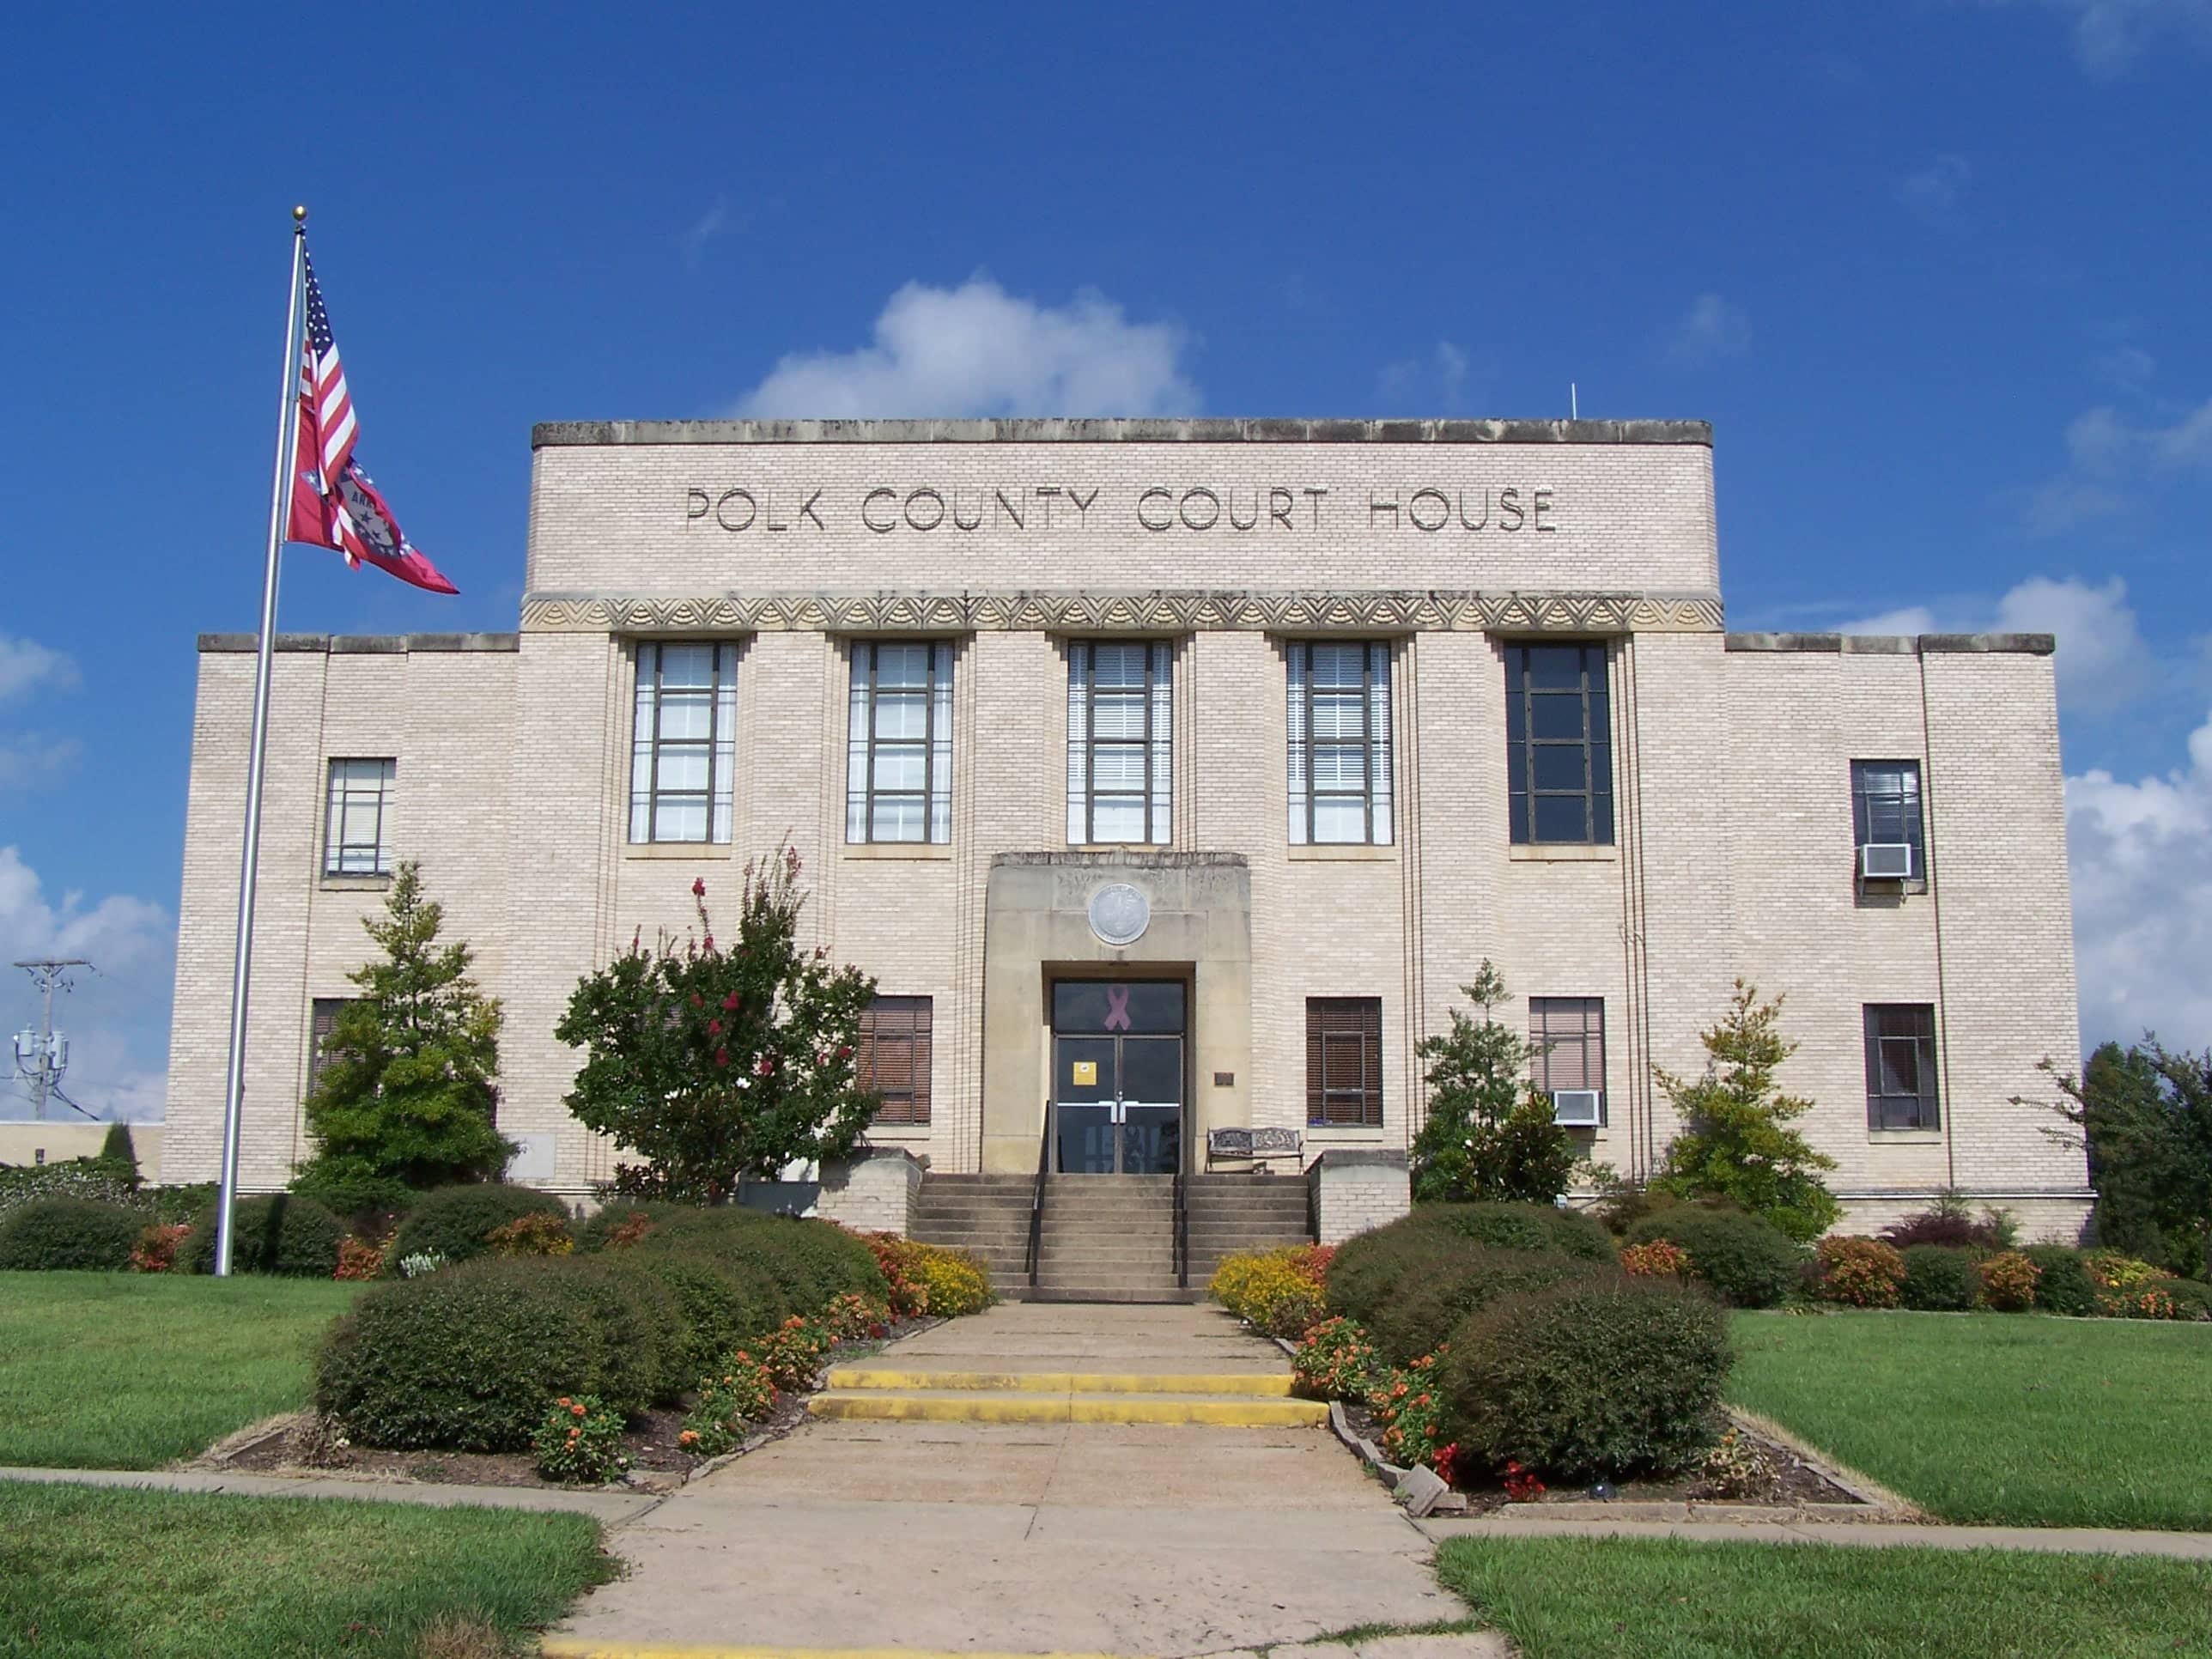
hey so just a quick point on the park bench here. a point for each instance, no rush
(1251, 1147)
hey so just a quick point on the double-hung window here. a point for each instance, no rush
(1885, 808)
(893, 1058)
(1339, 743)
(1900, 1066)
(1566, 1045)
(357, 823)
(322, 1025)
(683, 741)
(898, 766)
(1120, 742)
(1344, 1061)
(1559, 744)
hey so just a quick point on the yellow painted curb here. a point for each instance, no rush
(1249, 1412)
(1258, 1384)
(570, 1647)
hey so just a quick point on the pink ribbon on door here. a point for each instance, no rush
(1117, 1007)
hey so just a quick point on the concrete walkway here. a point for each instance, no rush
(1020, 1537)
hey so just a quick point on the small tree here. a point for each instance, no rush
(405, 1099)
(117, 1148)
(2143, 1115)
(716, 1064)
(1734, 1143)
(1490, 1133)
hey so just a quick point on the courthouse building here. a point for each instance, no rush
(1170, 777)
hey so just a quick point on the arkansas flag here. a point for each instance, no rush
(334, 505)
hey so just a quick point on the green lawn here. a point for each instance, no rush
(86, 1574)
(132, 1370)
(1593, 1598)
(1998, 1418)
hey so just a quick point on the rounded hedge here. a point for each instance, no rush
(1940, 1278)
(1521, 1227)
(1599, 1379)
(2192, 1297)
(276, 1233)
(51, 1233)
(1368, 1269)
(1746, 1262)
(2065, 1286)
(1425, 1310)
(454, 1221)
(467, 1358)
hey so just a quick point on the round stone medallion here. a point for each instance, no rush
(1120, 913)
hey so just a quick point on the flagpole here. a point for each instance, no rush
(287, 427)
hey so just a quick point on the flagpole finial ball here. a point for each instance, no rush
(300, 215)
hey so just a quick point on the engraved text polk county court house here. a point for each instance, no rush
(1172, 776)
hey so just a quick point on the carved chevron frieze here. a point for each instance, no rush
(1160, 611)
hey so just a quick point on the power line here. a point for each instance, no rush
(43, 1056)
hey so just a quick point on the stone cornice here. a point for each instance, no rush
(1154, 612)
(567, 434)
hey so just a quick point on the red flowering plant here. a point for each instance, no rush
(791, 1351)
(1522, 1485)
(359, 1258)
(853, 1317)
(155, 1252)
(1410, 1409)
(580, 1440)
(1336, 1361)
(717, 1063)
(741, 1392)
(1660, 1259)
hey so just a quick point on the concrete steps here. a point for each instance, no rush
(1221, 1400)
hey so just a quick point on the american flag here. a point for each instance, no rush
(334, 504)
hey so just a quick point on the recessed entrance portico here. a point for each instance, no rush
(1117, 1093)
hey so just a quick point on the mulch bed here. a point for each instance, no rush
(1778, 1478)
(301, 1443)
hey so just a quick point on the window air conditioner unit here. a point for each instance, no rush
(1575, 1108)
(1885, 860)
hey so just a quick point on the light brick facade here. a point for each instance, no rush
(1732, 849)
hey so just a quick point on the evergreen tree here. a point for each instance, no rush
(718, 1064)
(1490, 1133)
(1736, 1143)
(117, 1148)
(2143, 1114)
(406, 1100)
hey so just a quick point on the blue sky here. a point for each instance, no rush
(1935, 271)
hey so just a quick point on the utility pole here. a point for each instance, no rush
(40, 1057)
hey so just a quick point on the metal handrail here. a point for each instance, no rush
(1182, 1223)
(1036, 1197)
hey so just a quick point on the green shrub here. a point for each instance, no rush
(170, 1205)
(720, 1302)
(2065, 1286)
(616, 1225)
(1425, 1310)
(50, 1233)
(454, 1221)
(468, 1358)
(75, 1177)
(1858, 1271)
(1745, 1262)
(1939, 1279)
(2192, 1297)
(276, 1233)
(1598, 1379)
(1369, 1268)
(1521, 1227)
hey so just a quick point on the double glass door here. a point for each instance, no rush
(1117, 1077)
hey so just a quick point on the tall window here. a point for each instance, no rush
(898, 767)
(683, 741)
(1344, 1060)
(1559, 744)
(1566, 1037)
(1886, 807)
(893, 1060)
(1900, 1066)
(322, 1024)
(1339, 751)
(357, 826)
(1120, 742)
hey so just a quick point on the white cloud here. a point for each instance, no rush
(2141, 861)
(115, 1017)
(1932, 192)
(2109, 35)
(29, 759)
(2103, 663)
(2110, 460)
(707, 226)
(978, 350)
(1711, 329)
(25, 664)
(2126, 367)
(1438, 380)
